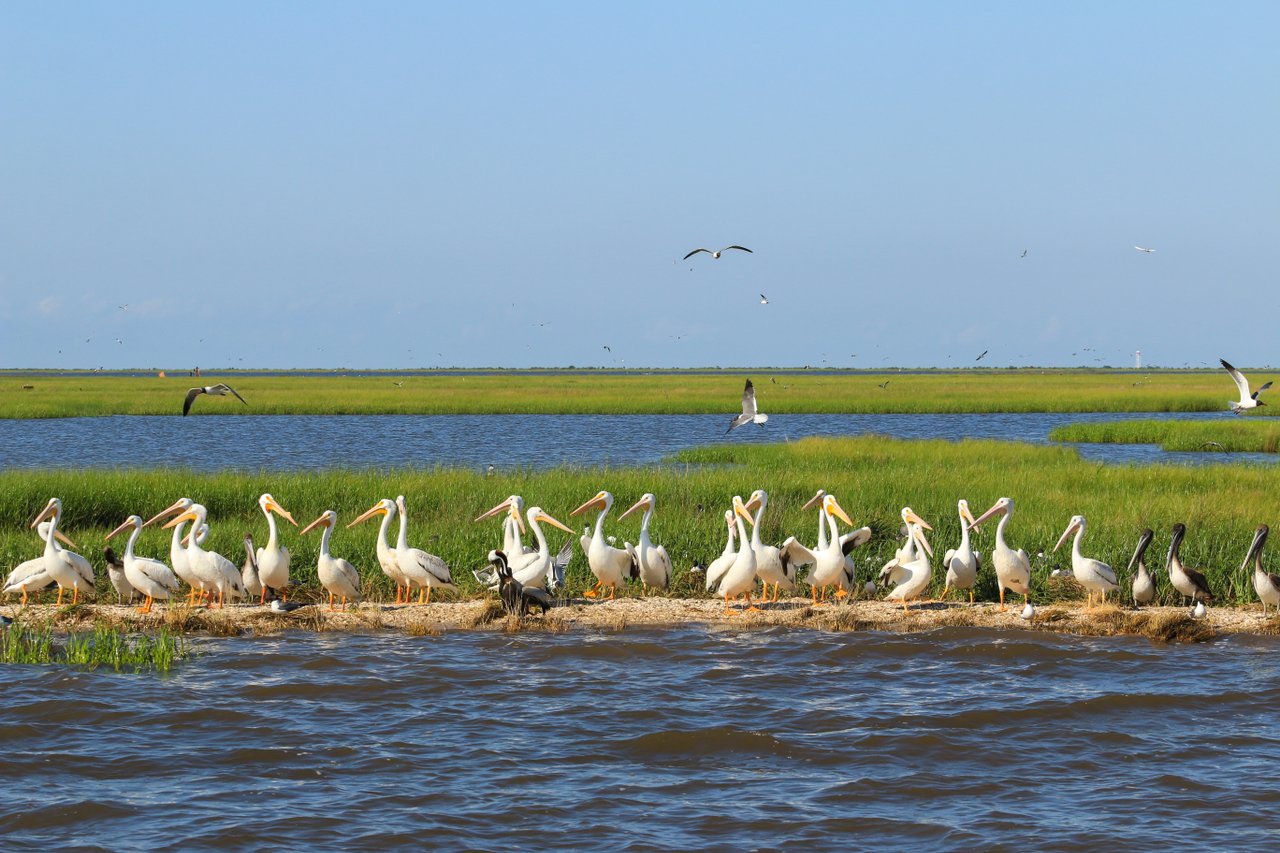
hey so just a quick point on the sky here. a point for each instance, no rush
(408, 185)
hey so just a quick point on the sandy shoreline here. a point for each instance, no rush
(1165, 624)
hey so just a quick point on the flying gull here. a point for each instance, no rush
(1247, 400)
(219, 390)
(1141, 249)
(717, 255)
(749, 413)
(764, 300)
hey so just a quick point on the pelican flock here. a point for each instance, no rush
(828, 568)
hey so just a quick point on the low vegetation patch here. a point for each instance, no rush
(102, 647)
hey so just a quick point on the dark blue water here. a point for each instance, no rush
(956, 739)
(325, 441)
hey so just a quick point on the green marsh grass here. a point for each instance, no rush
(673, 392)
(1229, 435)
(872, 476)
(104, 646)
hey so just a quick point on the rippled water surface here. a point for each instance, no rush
(956, 739)
(313, 441)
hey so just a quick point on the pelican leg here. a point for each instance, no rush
(75, 594)
(613, 592)
(905, 609)
(221, 597)
(262, 599)
(594, 591)
(971, 596)
(1002, 608)
(24, 601)
(727, 611)
(428, 593)
(331, 602)
(751, 608)
(775, 592)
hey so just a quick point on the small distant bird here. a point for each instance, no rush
(984, 355)
(124, 307)
(398, 384)
(1247, 400)
(120, 340)
(1141, 249)
(1028, 611)
(1215, 444)
(764, 300)
(749, 412)
(279, 606)
(717, 255)
(489, 472)
(219, 390)
(1198, 611)
(1024, 254)
(884, 384)
(608, 348)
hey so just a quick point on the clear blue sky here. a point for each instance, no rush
(416, 185)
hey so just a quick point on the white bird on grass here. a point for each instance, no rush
(150, 577)
(962, 563)
(749, 412)
(337, 576)
(654, 564)
(420, 569)
(741, 576)
(273, 558)
(67, 568)
(1013, 568)
(1247, 400)
(609, 565)
(911, 577)
(210, 569)
(31, 576)
(386, 554)
(721, 564)
(1265, 584)
(1094, 575)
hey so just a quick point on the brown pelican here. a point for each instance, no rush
(1247, 400)
(1144, 588)
(1265, 584)
(717, 255)
(1189, 582)
(219, 390)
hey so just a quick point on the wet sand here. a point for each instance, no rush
(1169, 624)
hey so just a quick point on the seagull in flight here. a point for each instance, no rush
(219, 390)
(1141, 249)
(124, 307)
(1247, 400)
(749, 413)
(764, 300)
(608, 348)
(1024, 254)
(984, 355)
(717, 255)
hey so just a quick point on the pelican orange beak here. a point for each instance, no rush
(322, 520)
(642, 503)
(595, 503)
(835, 509)
(506, 504)
(1071, 528)
(997, 509)
(815, 500)
(923, 540)
(44, 513)
(273, 505)
(964, 512)
(57, 534)
(543, 518)
(376, 509)
(120, 529)
(910, 515)
(740, 510)
(174, 522)
(753, 503)
(177, 506)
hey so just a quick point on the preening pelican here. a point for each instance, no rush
(962, 563)
(741, 576)
(420, 569)
(1093, 575)
(150, 577)
(829, 563)
(1247, 400)
(1144, 587)
(911, 577)
(721, 564)
(1013, 568)
(610, 565)
(653, 563)
(219, 390)
(67, 568)
(273, 559)
(1189, 582)
(337, 576)
(386, 554)
(31, 576)
(537, 569)
(1265, 584)
(749, 412)
(717, 255)
(115, 574)
(209, 569)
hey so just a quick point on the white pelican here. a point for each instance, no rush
(177, 552)
(962, 563)
(654, 564)
(830, 565)
(512, 526)
(150, 577)
(337, 576)
(848, 541)
(1189, 582)
(31, 576)
(749, 412)
(210, 569)
(537, 569)
(911, 578)
(1013, 568)
(1144, 587)
(115, 574)
(775, 566)
(610, 565)
(420, 569)
(219, 390)
(249, 571)
(67, 568)
(1265, 584)
(386, 554)
(1093, 575)
(1247, 400)
(741, 576)
(721, 564)
(273, 560)
(717, 255)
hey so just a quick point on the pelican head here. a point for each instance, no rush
(917, 532)
(270, 504)
(909, 518)
(180, 505)
(602, 501)
(1255, 549)
(514, 507)
(328, 518)
(831, 507)
(1179, 531)
(647, 502)
(759, 500)
(385, 507)
(965, 514)
(131, 521)
(1076, 523)
(195, 513)
(728, 520)
(1143, 542)
(538, 516)
(816, 500)
(740, 510)
(53, 509)
(1004, 506)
